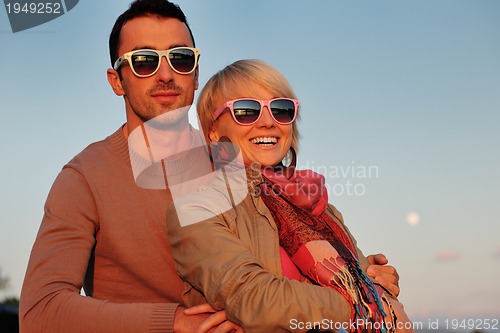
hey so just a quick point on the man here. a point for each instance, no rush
(102, 232)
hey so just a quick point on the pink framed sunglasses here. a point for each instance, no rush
(247, 111)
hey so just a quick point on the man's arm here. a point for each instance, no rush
(50, 299)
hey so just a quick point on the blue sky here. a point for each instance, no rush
(407, 89)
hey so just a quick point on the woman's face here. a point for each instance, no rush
(265, 142)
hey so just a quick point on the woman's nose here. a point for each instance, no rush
(266, 119)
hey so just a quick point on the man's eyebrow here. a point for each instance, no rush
(178, 45)
(142, 47)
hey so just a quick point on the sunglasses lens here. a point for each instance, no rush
(144, 62)
(283, 110)
(246, 111)
(182, 60)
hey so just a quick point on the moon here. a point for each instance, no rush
(413, 218)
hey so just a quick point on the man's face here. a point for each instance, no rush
(166, 90)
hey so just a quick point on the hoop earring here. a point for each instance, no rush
(288, 170)
(223, 152)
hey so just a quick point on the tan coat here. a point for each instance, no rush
(233, 258)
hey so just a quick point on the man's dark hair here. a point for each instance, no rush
(139, 8)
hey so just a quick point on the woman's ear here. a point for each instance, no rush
(115, 82)
(213, 136)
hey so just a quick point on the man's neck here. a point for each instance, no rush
(159, 140)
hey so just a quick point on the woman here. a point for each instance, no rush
(261, 239)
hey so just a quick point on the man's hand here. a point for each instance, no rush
(187, 324)
(382, 273)
(214, 322)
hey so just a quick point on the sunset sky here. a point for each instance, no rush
(400, 105)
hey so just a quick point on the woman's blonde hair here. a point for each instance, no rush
(239, 80)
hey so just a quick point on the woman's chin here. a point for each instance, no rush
(265, 157)
(267, 162)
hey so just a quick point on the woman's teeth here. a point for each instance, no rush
(265, 140)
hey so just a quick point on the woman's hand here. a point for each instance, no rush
(216, 320)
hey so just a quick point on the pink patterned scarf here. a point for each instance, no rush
(317, 245)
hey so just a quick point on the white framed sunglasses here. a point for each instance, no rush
(146, 62)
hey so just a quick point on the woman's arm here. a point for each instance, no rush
(218, 264)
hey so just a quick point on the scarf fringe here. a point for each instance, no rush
(367, 307)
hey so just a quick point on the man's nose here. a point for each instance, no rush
(165, 72)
